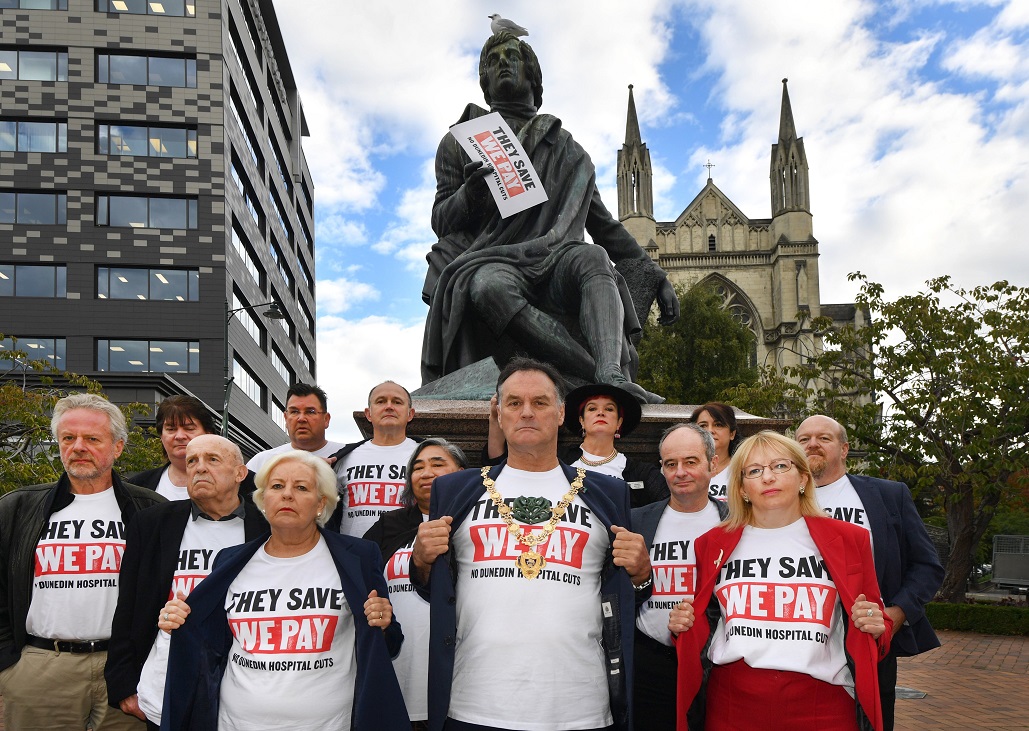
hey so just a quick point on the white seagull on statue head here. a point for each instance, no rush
(500, 24)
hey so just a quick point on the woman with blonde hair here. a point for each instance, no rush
(292, 630)
(789, 613)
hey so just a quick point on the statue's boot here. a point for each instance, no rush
(549, 340)
(601, 318)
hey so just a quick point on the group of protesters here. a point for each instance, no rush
(731, 584)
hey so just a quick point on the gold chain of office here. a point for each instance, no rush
(531, 562)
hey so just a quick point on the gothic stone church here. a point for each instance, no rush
(766, 269)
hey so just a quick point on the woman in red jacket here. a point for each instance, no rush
(790, 625)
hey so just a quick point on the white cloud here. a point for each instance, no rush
(336, 296)
(355, 355)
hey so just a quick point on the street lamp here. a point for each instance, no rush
(272, 313)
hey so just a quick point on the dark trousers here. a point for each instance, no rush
(888, 689)
(653, 685)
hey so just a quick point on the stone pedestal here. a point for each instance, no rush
(466, 423)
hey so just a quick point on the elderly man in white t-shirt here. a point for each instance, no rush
(532, 577)
(669, 528)
(370, 474)
(906, 563)
(307, 418)
(61, 547)
(168, 551)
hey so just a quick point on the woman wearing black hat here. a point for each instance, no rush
(603, 413)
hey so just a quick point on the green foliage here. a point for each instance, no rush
(982, 618)
(702, 354)
(935, 389)
(28, 393)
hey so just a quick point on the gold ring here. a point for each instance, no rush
(380, 615)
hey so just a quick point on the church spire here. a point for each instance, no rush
(787, 129)
(632, 123)
(635, 174)
(788, 172)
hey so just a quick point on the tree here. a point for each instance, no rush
(28, 393)
(935, 389)
(703, 353)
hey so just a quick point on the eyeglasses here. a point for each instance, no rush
(309, 413)
(778, 467)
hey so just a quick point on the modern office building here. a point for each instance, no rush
(154, 197)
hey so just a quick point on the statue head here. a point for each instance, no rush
(533, 73)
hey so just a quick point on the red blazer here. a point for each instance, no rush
(847, 553)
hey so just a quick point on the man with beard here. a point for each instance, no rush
(906, 563)
(61, 547)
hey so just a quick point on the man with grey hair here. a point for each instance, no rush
(669, 528)
(906, 563)
(370, 474)
(170, 549)
(61, 548)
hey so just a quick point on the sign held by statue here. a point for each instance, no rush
(514, 183)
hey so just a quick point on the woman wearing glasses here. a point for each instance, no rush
(789, 621)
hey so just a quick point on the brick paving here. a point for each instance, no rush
(973, 682)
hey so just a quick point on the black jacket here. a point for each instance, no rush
(151, 555)
(150, 479)
(394, 530)
(24, 514)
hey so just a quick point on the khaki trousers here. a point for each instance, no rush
(51, 691)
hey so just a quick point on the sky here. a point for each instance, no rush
(914, 115)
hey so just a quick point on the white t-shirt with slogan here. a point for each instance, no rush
(840, 500)
(674, 562)
(201, 542)
(292, 638)
(75, 581)
(780, 607)
(537, 641)
(718, 487)
(370, 481)
(412, 664)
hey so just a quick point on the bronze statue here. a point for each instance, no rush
(530, 283)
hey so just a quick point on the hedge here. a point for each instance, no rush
(982, 618)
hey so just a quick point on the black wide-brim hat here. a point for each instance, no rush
(628, 407)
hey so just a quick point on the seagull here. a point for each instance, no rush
(500, 24)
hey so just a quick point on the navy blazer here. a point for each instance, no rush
(608, 499)
(646, 518)
(200, 647)
(906, 562)
(152, 543)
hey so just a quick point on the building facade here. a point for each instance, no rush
(154, 197)
(765, 269)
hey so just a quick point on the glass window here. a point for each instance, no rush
(306, 359)
(8, 64)
(143, 141)
(49, 349)
(280, 365)
(278, 414)
(33, 280)
(247, 319)
(239, 243)
(34, 65)
(39, 209)
(306, 317)
(148, 356)
(248, 383)
(114, 68)
(21, 136)
(35, 4)
(177, 8)
(141, 212)
(168, 285)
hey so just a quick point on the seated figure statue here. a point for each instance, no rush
(531, 283)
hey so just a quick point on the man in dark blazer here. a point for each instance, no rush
(603, 579)
(158, 561)
(688, 461)
(906, 563)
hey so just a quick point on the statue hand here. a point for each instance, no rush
(475, 176)
(668, 303)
